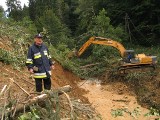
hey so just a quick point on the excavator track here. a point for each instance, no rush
(124, 68)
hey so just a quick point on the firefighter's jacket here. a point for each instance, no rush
(39, 60)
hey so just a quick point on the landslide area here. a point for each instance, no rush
(98, 98)
(17, 87)
(107, 96)
(16, 80)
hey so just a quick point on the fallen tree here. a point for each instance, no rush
(34, 100)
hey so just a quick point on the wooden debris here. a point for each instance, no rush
(20, 86)
(3, 89)
(70, 103)
(89, 65)
(121, 100)
(37, 99)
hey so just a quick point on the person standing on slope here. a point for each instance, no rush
(39, 63)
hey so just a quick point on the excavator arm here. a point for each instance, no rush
(102, 41)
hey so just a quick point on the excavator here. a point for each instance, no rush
(130, 60)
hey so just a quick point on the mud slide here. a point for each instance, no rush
(113, 102)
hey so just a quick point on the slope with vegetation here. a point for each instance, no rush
(17, 85)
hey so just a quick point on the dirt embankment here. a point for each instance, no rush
(107, 98)
(61, 77)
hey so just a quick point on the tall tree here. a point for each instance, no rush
(147, 22)
(143, 18)
(51, 15)
(32, 12)
(1, 11)
(14, 9)
(86, 12)
(56, 30)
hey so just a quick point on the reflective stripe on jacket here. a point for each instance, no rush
(38, 57)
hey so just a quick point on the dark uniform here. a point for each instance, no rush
(39, 60)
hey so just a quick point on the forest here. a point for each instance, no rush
(67, 21)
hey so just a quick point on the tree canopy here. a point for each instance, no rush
(65, 20)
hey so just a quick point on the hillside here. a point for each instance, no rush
(107, 96)
(104, 98)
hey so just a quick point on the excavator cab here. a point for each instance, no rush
(129, 55)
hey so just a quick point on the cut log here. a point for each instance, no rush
(89, 65)
(38, 99)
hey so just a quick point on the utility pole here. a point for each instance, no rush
(127, 28)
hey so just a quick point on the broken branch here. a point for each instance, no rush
(20, 87)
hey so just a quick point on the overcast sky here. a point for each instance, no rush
(3, 4)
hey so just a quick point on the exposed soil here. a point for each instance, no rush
(61, 77)
(106, 98)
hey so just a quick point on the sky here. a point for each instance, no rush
(3, 4)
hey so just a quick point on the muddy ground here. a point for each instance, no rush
(106, 96)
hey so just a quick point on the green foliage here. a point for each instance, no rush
(33, 115)
(27, 23)
(60, 54)
(86, 13)
(57, 31)
(15, 58)
(140, 74)
(90, 17)
(14, 9)
(102, 27)
(1, 12)
(105, 52)
(147, 25)
(49, 111)
(153, 112)
(6, 56)
(53, 16)
(117, 112)
(120, 112)
(135, 76)
(143, 22)
(17, 36)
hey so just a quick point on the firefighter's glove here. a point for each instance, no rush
(35, 68)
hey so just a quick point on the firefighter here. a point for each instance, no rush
(39, 63)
